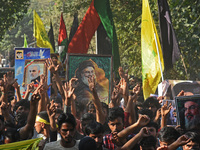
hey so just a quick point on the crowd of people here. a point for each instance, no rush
(127, 122)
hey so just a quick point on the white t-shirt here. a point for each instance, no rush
(56, 145)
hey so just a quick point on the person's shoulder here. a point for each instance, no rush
(52, 145)
(77, 143)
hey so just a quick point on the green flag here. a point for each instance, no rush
(25, 41)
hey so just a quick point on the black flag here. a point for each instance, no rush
(74, 27)
(104, 44)
(51, 36)
(171, 52)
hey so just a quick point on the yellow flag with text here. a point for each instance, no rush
(151, 72)
(40, 33)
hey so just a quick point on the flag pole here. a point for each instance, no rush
(159, 57)
(96, 42)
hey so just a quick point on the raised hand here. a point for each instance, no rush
(51, 109)
(10, 78)
(16, 85)
(144, 132)
(124, 87)
(135, 92)
(165, 109)
(4, 108)
(36, 96)
(69, 87)
(122, 74)
(117, 140)
(43, 82)
(162, 148)
(91, 82)
(143, 120)
(30, 87)
(182, 140)
(50, 65)
(181, 93)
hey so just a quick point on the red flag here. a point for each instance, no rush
(98, 12)
(62, 37)
(81, 40)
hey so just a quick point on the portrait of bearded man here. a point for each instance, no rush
(86, 70)
(192, 114)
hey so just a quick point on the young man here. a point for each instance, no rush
(148, 143)
(167, 136)
(116, 124)
(95, 131)
(194, 142)
(42, 125)
(66, 128)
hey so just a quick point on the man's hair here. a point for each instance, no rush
(35, 65)
(87, 143)
(115, 112)
(147, 112)
(23, 102)
(193, 136)
(83, 65)
(168, 134)
(153, 124)
(57, 99)
(43, 115)
(87, 116)
(151, 100)
(1, 118)
(66, 118)
(94, 128)
(148, 142)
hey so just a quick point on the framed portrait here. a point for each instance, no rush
(29, 65)
(188, 111)
(33, 69)
(84, 66)
(171, 119)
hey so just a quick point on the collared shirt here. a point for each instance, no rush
(107, 141)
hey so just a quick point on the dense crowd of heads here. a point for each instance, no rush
(124, 122)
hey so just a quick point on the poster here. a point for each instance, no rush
(171, 88)
(188, 112)
(85, 66)
(29, 65)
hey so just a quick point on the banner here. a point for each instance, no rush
(151, 71)
(29, 65)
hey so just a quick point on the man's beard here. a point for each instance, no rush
(70, 139)
(193, 123)
(85, 80)
(33, 77)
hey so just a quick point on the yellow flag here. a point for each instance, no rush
(151, 72)
(40, 33)
(22, 145)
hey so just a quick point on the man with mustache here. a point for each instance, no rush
(85, 71)
(66, 128)
(192, 114)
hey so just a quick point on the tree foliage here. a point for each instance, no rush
(11, 12)
(127, 18)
